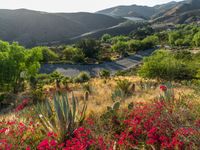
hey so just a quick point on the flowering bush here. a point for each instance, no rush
(156, 125)
(18, 135)
(22, 105)
(166, 123)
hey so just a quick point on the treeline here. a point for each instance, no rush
(171, 66)
(104, 49)
(17, 65)
(181, 36)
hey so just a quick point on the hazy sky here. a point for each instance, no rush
(73, 5)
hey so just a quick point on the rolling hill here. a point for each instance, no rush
(32, 28)
(175, 12)
(184, 12)
(144, 12)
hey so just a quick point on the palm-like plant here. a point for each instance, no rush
(61, 116)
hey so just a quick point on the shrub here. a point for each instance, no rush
(135, 45)
(141, 33)
(82, 77)
(163, 65)
(57, 77)
(150, 42)
(89, 47)
(48, 55)
(73, 54)
(196, 39)
(104, 73)
(120, 47)
(106, 38)
(123, 89)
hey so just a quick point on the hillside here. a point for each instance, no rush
(144, 12)
(32, 27)
(175, 12)
(184, 12)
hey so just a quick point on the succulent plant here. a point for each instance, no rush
(62, 116)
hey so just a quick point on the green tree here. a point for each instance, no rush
(90, 47)
(135, 45)
(48, 55)
(73, 54)
(163, 65)
(150, 42)
(106, 38)
(120, 47)
(196, 39)
(17, 65)
(173, 36)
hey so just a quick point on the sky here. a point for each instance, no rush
(73, 5)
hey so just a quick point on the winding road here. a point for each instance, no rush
(93, 69)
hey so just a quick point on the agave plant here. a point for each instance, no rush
(62, 115)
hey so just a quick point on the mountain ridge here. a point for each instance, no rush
(32, 27)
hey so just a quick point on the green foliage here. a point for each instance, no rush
(173, 36)
(104, 73)
(37, 95)
(141, 33)
(48, 55)
(111, 110)
(120, 47)
(135, 45)
(17, 65)
(73, 54)
(123, 89)
(150, 42)
(163, 65)
(57, 77)
(184, 36)
(196, 39)
(62, 116)
(82, 77)
(89, 47)
(120, 38)
(106, 38)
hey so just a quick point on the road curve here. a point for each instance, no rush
(93, 69)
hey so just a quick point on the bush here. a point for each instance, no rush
(106, 38)
(104, 73)
(48, 55)
(120, 47)
(163, 65)
(73, 54)
(89, 47)
(150, 42)
(135, 45)
(196, 39)
(82, 77)
(123, 89)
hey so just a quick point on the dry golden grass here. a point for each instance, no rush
(102, 89)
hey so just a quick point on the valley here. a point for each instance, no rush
(122, 78)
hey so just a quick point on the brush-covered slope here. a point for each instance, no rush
(184, 12)
(34, 27)
(129, 11)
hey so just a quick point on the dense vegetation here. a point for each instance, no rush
(181, 65)
(17, 65)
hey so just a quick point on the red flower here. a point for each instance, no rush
(163, 88)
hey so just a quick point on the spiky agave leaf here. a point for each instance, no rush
(60, 116)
